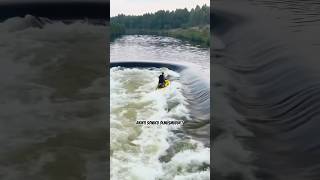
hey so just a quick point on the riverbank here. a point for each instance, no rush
(196, 35)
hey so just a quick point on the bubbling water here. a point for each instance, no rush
(151, 150)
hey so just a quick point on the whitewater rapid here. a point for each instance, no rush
(151, 152)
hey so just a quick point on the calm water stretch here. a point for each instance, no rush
(158, 48)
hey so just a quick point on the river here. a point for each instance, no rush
(159, 48)
(157, 151)
(266, 89)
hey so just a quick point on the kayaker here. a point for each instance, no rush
(162, 79)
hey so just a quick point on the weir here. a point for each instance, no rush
(196, 91)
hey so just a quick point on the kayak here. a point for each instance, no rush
(166, 84)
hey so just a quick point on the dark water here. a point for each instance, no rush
(266, 89)
(53, 117)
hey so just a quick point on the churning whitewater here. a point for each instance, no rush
(151, 152)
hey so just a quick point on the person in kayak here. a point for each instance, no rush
(162, 80)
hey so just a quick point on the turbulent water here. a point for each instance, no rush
(266, 89)
(156, 151)
(52, 100)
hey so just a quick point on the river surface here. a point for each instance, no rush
(159, 48)
(266, 89)
(154, 151)
(52, 100)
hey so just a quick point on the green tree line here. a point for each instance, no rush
(117, 29)
(166, 19)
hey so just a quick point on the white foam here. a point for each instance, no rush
(136, 149)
